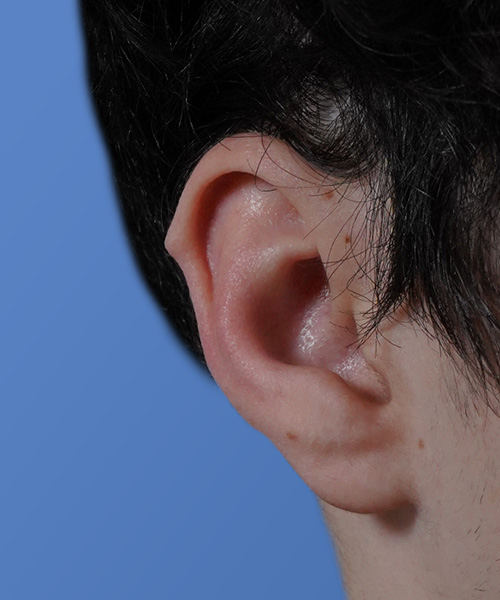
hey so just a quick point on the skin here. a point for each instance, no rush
(446, 543)
(407, 482)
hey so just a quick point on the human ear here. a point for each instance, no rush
(279, 330)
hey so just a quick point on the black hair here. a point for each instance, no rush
(414, 88)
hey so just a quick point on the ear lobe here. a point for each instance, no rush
(279, 338)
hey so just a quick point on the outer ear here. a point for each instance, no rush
(278, 331)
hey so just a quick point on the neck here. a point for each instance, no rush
(411, 555)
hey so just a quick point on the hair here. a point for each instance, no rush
(406, 94)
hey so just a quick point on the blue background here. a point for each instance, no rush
(124, 472)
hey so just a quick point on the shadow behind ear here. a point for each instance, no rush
(245, 236)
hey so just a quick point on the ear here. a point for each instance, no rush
(254, 233)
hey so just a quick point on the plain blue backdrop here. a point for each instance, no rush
(124, 472)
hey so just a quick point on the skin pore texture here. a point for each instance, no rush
(273, 253)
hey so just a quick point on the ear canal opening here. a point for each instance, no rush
(290, 315)
(297, 323)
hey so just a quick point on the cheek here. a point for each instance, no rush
(449, 436)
